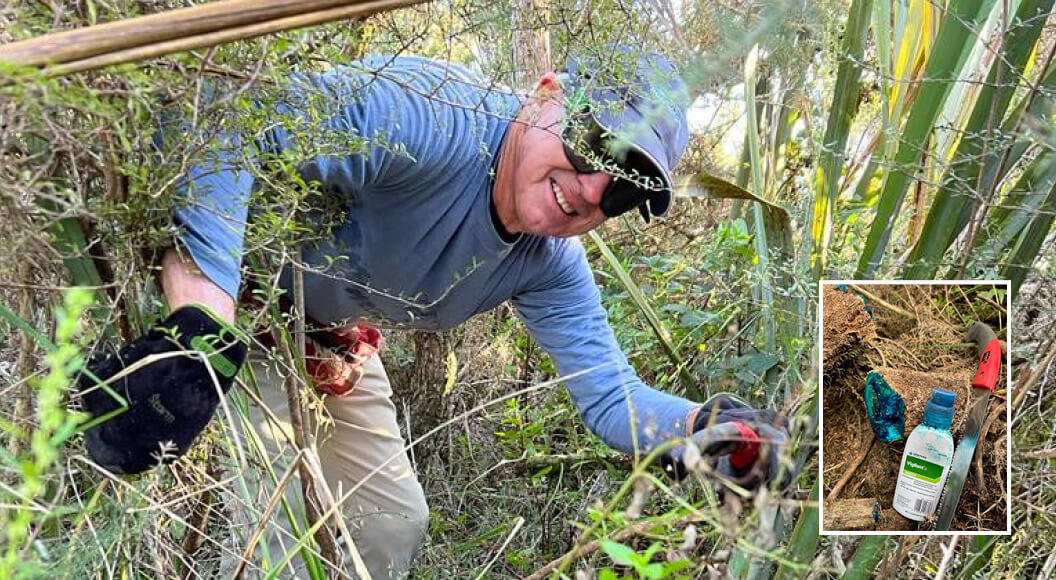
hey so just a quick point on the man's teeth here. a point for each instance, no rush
(559, 195)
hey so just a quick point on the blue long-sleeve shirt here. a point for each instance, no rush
(417, 246)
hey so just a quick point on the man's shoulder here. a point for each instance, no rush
(417, 77)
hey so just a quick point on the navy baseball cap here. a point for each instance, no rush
(640, 101)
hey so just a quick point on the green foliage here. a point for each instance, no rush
(54, 426)
(641, 562)
(840, 155)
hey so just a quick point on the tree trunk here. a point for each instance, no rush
(531, 41)
(424, 390)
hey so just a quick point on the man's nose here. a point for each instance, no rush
(594, 185)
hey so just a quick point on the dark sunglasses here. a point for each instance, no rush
(587, 149)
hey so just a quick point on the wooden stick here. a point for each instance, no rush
(327, 544)
(883, 302)
(110, 37)
(854, 467)
(982, 439)
(1039, 454)
(155, 50)
(1032, 380)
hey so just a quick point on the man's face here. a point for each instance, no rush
(546, 195)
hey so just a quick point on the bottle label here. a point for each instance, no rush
(922, 469)
(918, 487)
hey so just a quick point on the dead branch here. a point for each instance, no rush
(1032, 380)
(1039, 454)
(853, 467)
(851, 514)
(982, 439)
(884, 303)
(327, 543)
(23, 411)
(860, 514)
(176, 25)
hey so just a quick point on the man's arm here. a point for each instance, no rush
(565, 315)
(184, 283)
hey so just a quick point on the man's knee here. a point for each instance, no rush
(388, 542)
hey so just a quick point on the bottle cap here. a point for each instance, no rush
(939, 412)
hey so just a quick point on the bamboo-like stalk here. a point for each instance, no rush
(157, 49)
(690, 383)
(110, 37)
(148, 51)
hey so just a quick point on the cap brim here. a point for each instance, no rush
(646, 144)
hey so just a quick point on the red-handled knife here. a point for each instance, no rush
(989, 349)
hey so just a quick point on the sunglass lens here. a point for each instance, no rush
(620, 198)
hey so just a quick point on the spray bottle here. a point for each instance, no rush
(926, 460)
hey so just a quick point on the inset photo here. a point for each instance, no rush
(915, 423)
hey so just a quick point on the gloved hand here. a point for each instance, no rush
(742, 443)
(171, 399)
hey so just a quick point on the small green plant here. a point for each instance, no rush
(641, 562)
(55, 426)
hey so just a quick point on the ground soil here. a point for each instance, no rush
(912, 353)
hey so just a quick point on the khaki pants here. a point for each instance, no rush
(387, 514)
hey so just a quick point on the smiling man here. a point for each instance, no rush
(464, 197)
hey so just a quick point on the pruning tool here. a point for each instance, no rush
(736, 438)
(989, 350)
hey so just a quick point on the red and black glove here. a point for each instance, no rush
(171, 399)
(743, 443)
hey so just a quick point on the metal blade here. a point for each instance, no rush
(962, 458)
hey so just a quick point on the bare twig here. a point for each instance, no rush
(874, 298)
(982, 439)
(327, 544)
(1039, 454)
(853, 467)
(1032, 380)
(265, 517)
(516, 528)
(23, 410)
(947, 556)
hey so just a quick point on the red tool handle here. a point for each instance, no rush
(989, 355)
(748, 451)
(733, 438)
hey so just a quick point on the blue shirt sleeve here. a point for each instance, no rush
(319, 119)
(211, 214)
(566, 316)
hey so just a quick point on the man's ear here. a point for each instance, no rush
(548, 87)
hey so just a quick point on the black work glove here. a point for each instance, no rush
(170, 400)
(742, 443)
